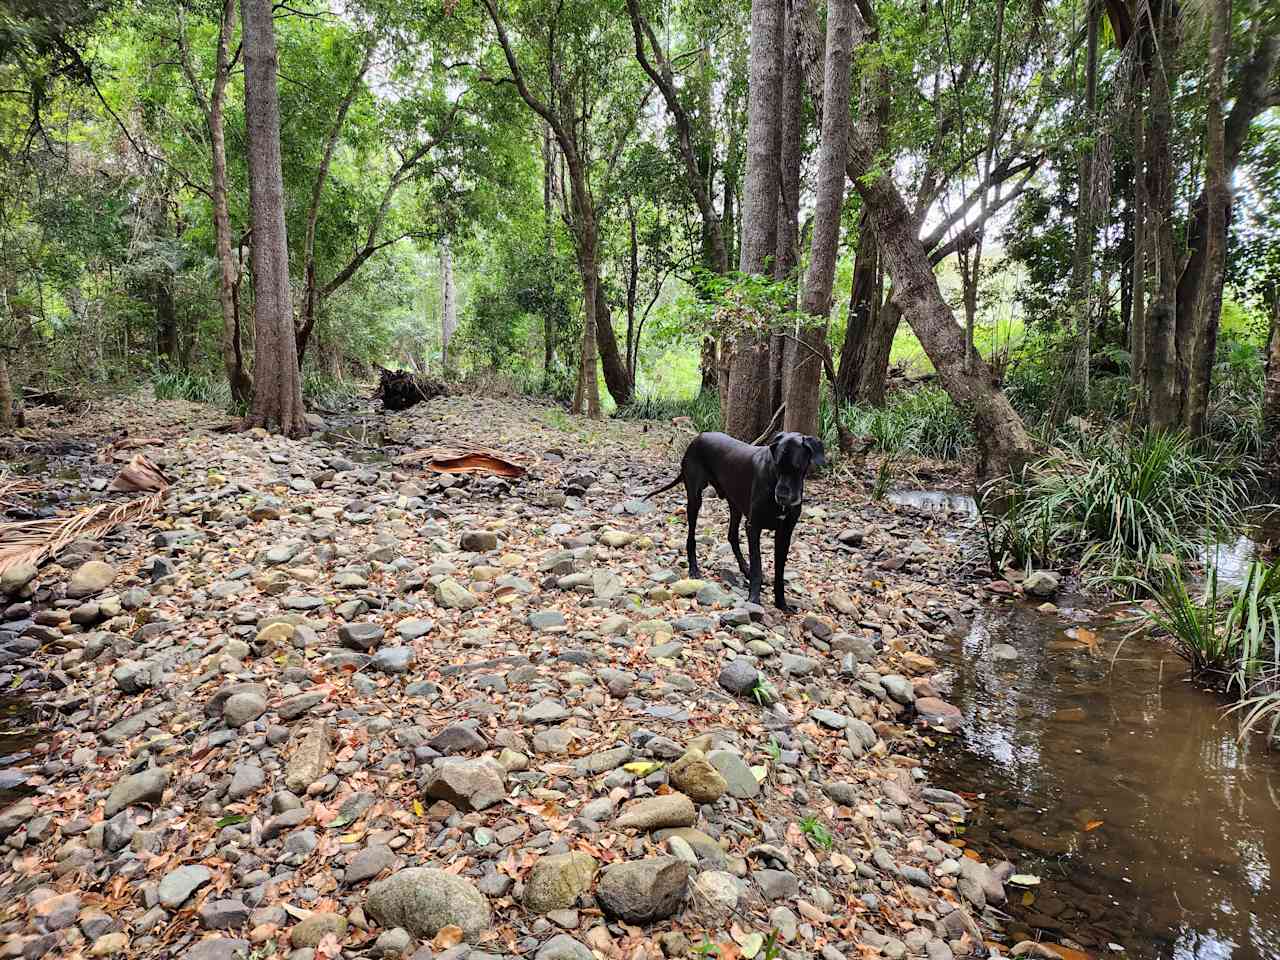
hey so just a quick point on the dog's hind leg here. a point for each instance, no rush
(694, 493)
(735, 519)
(756, 574)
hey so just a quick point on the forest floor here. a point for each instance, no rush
(316, 670)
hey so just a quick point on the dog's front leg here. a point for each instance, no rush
(781, 547)
(756, 574)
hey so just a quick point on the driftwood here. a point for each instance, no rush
(400, 389)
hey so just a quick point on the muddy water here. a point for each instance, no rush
(1120, 785)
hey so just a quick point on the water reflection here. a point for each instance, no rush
(1124, 788)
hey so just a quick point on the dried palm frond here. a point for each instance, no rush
(32, 541)
(467, 458)
(11, 485)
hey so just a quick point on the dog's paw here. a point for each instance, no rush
(784, 606)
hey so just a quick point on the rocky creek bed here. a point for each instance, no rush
(320, 707)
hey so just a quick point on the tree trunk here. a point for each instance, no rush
(786, 257)
(804, 377)
(1077, 378)
(166, 318)
(1271, 392)
(1166, 353)
(617, 379)
(448, 302)
(1138, 373)
(228, 270)
(748, 410)
(864, 301)
(548, 316)
(277, 396)
(6, 395)
(874, 377)
(1003, 443)
(1213, 217)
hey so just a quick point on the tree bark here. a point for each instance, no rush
(617, 377)
(864, 302)
(277, 397)
(1165, 352)
(804, 378)
(1271, 392)
(1207, 309)
(548, 189)
(1138, 374)
(748, 389)
(448, 302)
(6, 395)
(228, 269)
(786, 257)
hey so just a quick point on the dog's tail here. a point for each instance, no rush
(654, 493)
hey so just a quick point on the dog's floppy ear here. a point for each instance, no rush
(775, 447)
(818, 453)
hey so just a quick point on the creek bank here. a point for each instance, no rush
(310, 675)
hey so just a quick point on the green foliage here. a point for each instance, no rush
(173, 384)
(817, 833)
(923, 422)
(1125, 510)
(1224, 634)
(703, 410)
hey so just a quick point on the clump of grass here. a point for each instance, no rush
(322, 390)
(922, 423)
(1231, 638)
(1127, 512)
(703, 409)
(169, 383)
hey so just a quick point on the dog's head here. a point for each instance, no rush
(793, 454)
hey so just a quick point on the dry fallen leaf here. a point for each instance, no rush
(448, 938)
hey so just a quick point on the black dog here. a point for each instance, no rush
(763, 484)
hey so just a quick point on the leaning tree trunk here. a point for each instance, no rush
(873, 381)
(748, 410)
(617, 376)
(863, 303)
(804, 376)
(277, 395)
(1003, 443)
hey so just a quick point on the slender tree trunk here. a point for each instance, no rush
(804, 377)
(1207, 309)
(1271, 391)
(748, 389)
(228, 269)
(166, 318)
(548, 189)
(1077, 378)
(448, 302)
(1138, 373)
(277, 398)
(787, 253)
(1166, 355)
(6, 395)
(864, 301)
(874, 377)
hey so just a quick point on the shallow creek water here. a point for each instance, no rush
(1095, 765)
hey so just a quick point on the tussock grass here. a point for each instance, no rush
(1126, 512)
